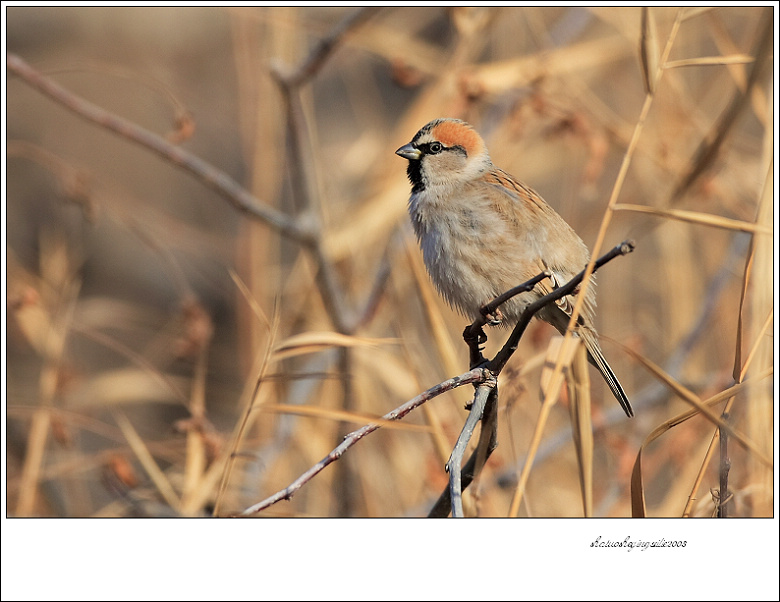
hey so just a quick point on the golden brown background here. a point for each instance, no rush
(149, 321)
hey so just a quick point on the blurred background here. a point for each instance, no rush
(169, 355)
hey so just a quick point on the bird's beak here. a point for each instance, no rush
(407, 151)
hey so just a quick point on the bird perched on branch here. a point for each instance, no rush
(483, 232)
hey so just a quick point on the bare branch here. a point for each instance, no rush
(474, 376)
(456, 459)
(499, 361)
(488, 439)
(214, 178)
(485, 400)
(302, 180)
(325, 47)
(473, 336)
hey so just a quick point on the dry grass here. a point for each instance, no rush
(169, 355)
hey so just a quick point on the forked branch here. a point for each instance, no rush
(483, 377)
(474, 335)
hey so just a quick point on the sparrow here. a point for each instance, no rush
(482, 232)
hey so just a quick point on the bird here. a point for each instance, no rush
(482, 232)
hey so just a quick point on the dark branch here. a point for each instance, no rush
(474, 336)
(502, 357)
(481, 410)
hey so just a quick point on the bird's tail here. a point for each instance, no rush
(596, 357)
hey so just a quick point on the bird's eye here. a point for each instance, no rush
(435, 148)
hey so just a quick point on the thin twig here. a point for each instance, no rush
(655, 392)
(491, 307)
(488, 439)
(474, 335)
(456, 459)
(473, 376)
(499, 361)
(324, 48)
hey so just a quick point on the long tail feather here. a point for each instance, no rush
(560, 320)
(596, 357)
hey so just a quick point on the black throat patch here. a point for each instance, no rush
(414, 172)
